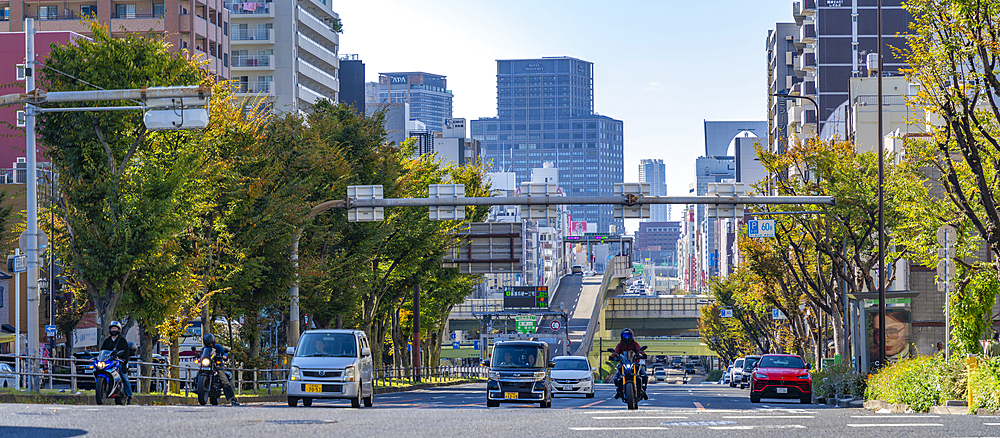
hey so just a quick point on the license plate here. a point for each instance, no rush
(567, 388)
(782, 390)
(510, 395)
(313, 388)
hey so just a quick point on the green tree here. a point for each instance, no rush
(119, 187)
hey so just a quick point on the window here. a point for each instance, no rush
(20, 72)
(48, 12)
(21, 119)
(158, 10)
(125, 11)
(5, 13)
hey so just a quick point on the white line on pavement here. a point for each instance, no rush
(895, 425)
(639, 417)
(618, 428)
(782, 426)
(768, 416)
(895, 416)
(991, 424)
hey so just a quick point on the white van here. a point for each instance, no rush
(331, 364)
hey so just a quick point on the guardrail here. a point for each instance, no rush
(71, 372)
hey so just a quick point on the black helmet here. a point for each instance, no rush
(627, 335)
(208, 340)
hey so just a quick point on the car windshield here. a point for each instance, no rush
(327, 345)
(738, 364)
(781, 362)
(750, 362)
(572, 364)
(518, 356)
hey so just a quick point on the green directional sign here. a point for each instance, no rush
(639, 269)
(525, 324)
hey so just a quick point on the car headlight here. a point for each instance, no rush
(349, 374)
(539, 375)
(804, 376)
(295, 373)
(494, 374)
(587, 379)
(760, 376)
(206, 362)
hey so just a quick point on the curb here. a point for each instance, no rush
(140, 399)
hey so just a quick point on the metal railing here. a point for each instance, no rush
(252, 61)
(237, 8)
(72, 374)
(250, 34)
(252, 87)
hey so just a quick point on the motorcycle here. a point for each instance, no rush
(108, 382)
(208, 386)
(630, 373)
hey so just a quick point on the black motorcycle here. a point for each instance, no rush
(208, 386)
(630, 375)
(108, 380)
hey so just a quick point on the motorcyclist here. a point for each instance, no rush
(628, 343)
(209, 342)
(116, 343)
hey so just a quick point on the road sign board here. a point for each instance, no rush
(50, 330)
(951, 237)
(536, 297)
(456, 345)
(941, 284)
(727, 313)
(776, 314)
(950, 265)
(20, 263)
(475, 345)
(568, 342)
(453, 336)
(760, 228)
(22, 240)
(555, 325)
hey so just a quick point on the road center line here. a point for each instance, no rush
(638, 417)
(587, 405)
(699, 406)
(618, 428)
(991, 424)
(895, 416)
(767, 416)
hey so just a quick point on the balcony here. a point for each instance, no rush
(251, 36)
(807, 62)
(807, 33)
(136, 16)
(808, 7)
(265, 88)
(250, 10)
(797, 13)
(259, 62)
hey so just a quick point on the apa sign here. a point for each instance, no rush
(760, 228)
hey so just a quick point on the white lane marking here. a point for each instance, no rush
(895, 425)
(618, 428)
(767, 416)
(781, 426)
(991, 424)
(895, 416)
(443, 396)
(639, 417)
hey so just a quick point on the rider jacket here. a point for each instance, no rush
(631, 345)
(119, 345)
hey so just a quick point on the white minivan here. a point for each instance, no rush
(331, 364)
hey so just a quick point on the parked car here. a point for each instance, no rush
(331, 364)
(7, 377)
(572, 375)
(84, 369)
(749, 363)
(781, 376)
(736, 375)
(727, 376)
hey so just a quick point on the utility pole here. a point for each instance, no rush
(881, 199)
(31, 180)
(416, 331)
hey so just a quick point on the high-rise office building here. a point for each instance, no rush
(286, 53)
(545, 113)
(352, 82)
(654, 172)
(833, 42)
(428, 96)
(710, 170)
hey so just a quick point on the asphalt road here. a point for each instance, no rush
(692, 410)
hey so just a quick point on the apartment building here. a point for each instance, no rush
(286, 52)
(199, 26)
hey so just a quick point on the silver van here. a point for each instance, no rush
(331, 364)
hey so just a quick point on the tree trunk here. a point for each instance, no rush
(175, 372)
(147, 337)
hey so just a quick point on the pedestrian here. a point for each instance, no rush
(940, 347)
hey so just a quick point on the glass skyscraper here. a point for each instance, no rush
(427, 94)
(545, 113)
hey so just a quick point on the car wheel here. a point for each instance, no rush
(806, 399)
(307, 402)
(590, 395)
(492, 404)
(754, 398)
(370, 400)
(356, 401)
(293, 401)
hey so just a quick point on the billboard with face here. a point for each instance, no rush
(898, 342)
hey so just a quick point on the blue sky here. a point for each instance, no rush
(662, 67)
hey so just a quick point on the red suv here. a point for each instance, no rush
(781, 376)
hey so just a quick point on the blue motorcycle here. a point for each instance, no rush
(108, 382)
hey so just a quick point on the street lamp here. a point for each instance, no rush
(815, 105)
